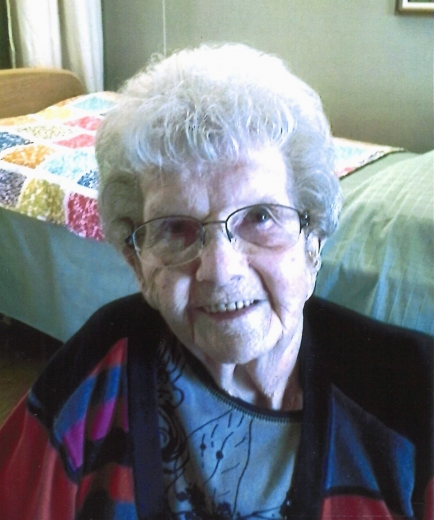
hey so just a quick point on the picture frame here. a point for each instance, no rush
(415, 6)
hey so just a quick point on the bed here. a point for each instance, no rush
(56, 269)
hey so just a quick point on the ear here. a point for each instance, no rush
(313, 251)
(130, 255)
(133, 260)
(313, 254)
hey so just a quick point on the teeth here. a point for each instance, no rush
(228, 307)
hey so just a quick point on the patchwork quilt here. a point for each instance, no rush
(48, 169)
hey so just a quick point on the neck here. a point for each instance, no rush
(270, 381)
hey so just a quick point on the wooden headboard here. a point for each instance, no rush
(25, 91)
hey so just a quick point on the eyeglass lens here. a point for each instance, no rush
(176, 240)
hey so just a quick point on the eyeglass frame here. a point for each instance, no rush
(303, 216)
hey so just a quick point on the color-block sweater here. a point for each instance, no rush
(125, 423)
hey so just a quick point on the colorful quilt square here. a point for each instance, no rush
(42, 200)
(78, 141)
(82, 216)
(72, 165)
(10, 187)
(8, 140)
(95, 104)
(17, 121)
(55, 113)
(47, 132)
(29, 155)
(90, 123)
(90, 180)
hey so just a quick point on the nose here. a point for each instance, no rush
(219, 261)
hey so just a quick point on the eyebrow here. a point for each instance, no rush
(158, 214)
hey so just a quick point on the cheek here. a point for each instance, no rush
(151, 286)
(289, 281)
(167, 291)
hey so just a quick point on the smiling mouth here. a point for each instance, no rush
(221, 308)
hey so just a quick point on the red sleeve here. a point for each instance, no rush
(33, 483)
(429, 500)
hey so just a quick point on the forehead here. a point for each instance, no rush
(218, 189)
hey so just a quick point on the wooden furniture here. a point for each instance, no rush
(28, 90)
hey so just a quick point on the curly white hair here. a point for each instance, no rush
(209, 106)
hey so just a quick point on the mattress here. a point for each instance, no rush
(56, 269)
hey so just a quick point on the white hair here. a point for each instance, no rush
(210, 106)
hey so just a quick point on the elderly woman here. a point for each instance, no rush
(218, 392)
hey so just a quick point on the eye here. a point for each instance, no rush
(258, 215)
(266, 225)
(176, 232)
(176, 228)
(254, 224)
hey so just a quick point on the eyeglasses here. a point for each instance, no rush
(176, 240)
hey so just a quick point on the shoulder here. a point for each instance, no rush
(387, 370)
(344, 334)
(102, 342)
(339, 322)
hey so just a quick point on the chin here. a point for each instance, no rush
(233, 355)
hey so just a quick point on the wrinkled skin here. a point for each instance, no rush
(250, 352)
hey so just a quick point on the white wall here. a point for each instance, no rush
(373, 68)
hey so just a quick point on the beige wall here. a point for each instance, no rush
(373, 68)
